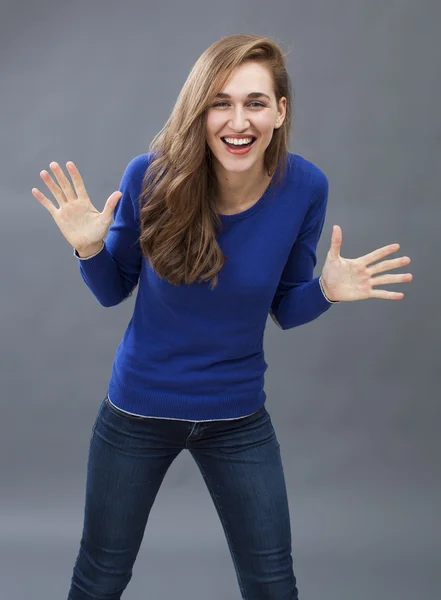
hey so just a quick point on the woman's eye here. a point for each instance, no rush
(223, 103)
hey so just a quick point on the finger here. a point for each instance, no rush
(336, 242)
(386, 295)
(384, 279)
(56, 191)
(44, 201)
(379, 253)
(111, 202)
(63, 181)
(78, 182)
(387, 265)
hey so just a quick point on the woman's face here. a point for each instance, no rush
(233, 114)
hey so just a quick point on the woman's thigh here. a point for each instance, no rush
(128, 459)
(241, 464)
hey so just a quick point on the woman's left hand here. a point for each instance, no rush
(346, 279)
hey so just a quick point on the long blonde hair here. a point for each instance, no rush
(178, 216)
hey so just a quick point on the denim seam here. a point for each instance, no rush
(227, 531)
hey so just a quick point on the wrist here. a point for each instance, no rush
(326, 292)
(88, 251)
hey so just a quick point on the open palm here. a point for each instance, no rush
(347, 279)
(77, 218)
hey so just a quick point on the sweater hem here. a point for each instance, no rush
(146, 403)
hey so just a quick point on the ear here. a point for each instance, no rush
(281, 113)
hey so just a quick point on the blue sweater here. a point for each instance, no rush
(193, 353)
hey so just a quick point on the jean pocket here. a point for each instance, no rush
(253, 420)
(121, 414)
(258, 414)
(94, 426)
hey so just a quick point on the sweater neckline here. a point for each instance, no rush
(259, 205)
(254, 208)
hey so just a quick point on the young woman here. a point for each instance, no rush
(219, 225)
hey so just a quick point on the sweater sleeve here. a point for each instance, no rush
(113, 272)
(299, 297)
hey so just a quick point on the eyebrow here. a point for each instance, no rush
(252, 95)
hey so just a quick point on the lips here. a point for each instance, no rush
(239, 149)
(253, 139)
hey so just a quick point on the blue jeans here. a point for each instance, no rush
(241, 465)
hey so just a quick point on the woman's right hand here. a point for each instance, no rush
(79, 221)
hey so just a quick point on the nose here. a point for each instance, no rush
(238, 122)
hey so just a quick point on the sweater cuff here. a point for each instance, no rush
(75, 253)
(323, 292)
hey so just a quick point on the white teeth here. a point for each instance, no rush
(237, 142)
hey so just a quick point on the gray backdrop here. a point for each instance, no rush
(357, 410)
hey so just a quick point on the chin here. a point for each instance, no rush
(237, 164)
(232, 168)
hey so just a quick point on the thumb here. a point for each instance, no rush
(111, 202)
(336, 241)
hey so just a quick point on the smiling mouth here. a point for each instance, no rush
(253, 139)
